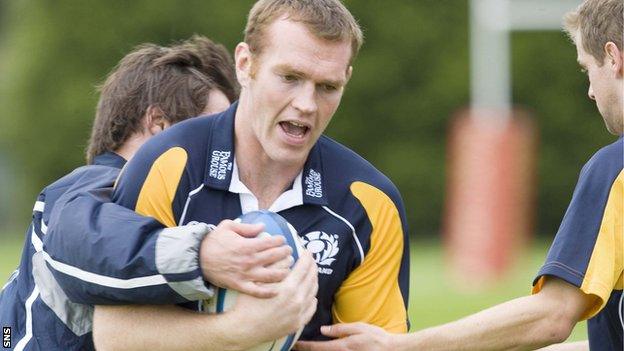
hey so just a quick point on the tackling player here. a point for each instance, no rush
(582, 277)
(151, 89)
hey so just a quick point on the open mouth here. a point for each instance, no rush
(294, 129)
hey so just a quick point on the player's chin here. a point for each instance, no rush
(291, 158)
(290, 154)
(615, 127)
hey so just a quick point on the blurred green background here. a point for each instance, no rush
(411, 77)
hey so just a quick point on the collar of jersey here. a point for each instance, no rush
(290, 198)
(109, 159)
(310, 181)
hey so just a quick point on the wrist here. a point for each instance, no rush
(399, 342)
(234, 332)
(203, 255)
(427, 339)
(241, 333)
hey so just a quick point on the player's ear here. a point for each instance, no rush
(243, 60)
(154, 120)
(349, 73)
(614, 58)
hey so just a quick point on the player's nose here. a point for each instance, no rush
(590, 92)
(305, 101)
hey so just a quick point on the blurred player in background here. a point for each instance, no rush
(582, 277)
(152, 88)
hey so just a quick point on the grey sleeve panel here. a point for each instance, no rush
(193, 290)
(77, 317)
(177, 252)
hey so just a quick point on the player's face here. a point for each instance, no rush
(292, 89)
(606, 87)
(217, 102)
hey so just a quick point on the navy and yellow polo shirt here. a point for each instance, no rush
(348, 214)
(588, 251)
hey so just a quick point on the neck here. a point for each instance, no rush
(266, 178)
(130, 147)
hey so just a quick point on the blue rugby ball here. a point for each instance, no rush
(224, 299)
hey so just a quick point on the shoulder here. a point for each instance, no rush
(81, 179)
(174, 160)
(608, 158)
(189, 135)
(83, 176)
(348, 170)
(183, 145)
(345, 166)
(605, 165)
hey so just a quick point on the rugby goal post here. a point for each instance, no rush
(491, 147)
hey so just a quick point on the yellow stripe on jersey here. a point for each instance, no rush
(371, 293)
(159, 189)
(619, 285)
(604, 271)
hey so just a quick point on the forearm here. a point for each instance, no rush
(142, 327)
(525, 323)
(102, 253)
(570, 346)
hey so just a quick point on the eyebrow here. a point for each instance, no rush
(283, 68)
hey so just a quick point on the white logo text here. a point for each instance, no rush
(220, 164)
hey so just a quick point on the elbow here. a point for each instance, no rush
(558, 333)
(101, 346)
(103, 332)
(100, 340)
(556, 327)
(560, 306)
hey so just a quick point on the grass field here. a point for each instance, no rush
(433, 299)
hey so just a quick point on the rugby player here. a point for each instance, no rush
(152, 88)
(267, 152)
(582, 277)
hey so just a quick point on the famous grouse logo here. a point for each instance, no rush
(220, 164)
(313, 184)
